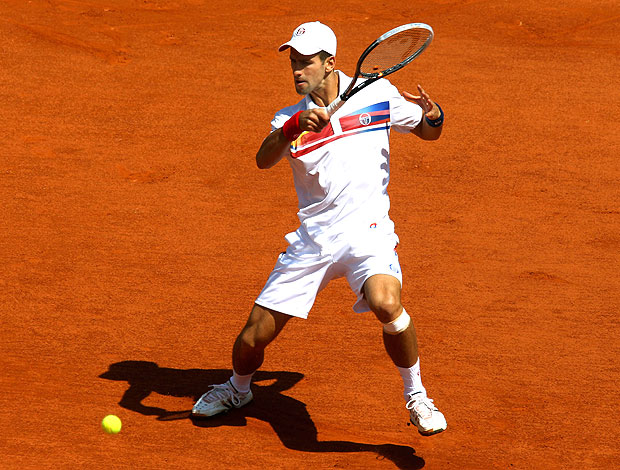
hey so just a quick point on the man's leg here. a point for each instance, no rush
(262, 327)
(382, 294)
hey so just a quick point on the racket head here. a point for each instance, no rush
(394, 49)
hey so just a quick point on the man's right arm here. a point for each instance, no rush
(272, 150)
(276, 145)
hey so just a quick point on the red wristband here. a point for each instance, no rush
(291, 129)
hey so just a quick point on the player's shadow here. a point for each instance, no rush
(287, 416)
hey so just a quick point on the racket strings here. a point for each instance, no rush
(395, 50)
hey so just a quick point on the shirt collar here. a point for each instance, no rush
(343, 83)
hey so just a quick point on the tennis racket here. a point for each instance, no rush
(388, 54)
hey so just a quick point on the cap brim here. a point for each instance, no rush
(299, 48)
(284, 47)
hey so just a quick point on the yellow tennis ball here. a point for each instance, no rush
(111, 424)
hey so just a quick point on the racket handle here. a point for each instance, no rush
(334, 106)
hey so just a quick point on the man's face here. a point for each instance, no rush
(308, 72)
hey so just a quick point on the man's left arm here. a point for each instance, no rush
(432, 122)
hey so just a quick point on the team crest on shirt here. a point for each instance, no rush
(365, 119)
(376, 116)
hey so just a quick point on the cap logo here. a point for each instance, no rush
(300, 31)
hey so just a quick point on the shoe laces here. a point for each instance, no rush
(225, 392)
(419, 399)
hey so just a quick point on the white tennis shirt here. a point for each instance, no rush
(342, 173)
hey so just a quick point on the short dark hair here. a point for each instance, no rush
(324, 56)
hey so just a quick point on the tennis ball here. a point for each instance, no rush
(111, 424)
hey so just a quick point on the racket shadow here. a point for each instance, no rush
(288, 417)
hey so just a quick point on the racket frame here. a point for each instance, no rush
(373, 77)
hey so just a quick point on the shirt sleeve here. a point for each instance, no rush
(285, 114)
(404, 115)
(278, 120)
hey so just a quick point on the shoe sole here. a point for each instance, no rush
(199, 415)
(428, 433)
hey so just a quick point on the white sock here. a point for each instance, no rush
(241, 382)
(411, 379)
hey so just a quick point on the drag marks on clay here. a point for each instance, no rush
(540, 32)
(152, 5)
(607, 242)
(112, 54)
(555, 25)
(607, 212)
(168, 38)
(41, 147)
(586, 26)
(146, 176)
(92, 19)
(459, 3)
(249, 48)
(541, 276)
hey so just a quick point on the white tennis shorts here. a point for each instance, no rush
(305, 268)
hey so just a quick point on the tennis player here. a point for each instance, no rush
(341, 173)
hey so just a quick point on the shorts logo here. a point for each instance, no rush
(300, 31)
(365, 119)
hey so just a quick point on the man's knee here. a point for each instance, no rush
(382, 294)
(386, 307)
(385, 303)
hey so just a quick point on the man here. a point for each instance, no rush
(341, 172)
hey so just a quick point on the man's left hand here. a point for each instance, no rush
(430, 109)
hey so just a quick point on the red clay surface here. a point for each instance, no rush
(136, 233)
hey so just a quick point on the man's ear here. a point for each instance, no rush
(330, 64)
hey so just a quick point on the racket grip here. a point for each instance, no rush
(334, 106)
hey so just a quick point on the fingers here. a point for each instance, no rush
(313, 120)
(422, 92)
(423, 99)
(410, 97)
(322, 115)
(426, 100)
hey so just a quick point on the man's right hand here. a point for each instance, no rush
(313, 120)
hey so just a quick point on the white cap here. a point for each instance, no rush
(312, 38)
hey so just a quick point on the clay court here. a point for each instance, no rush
(136, 232)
